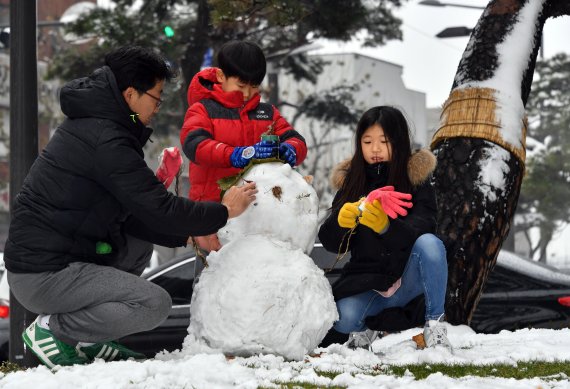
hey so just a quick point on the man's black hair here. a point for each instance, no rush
(138, 67)
(244, 60)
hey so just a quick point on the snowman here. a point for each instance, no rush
(261, 292)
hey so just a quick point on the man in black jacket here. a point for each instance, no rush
(89, 211)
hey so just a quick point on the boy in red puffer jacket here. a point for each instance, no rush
(225, 120)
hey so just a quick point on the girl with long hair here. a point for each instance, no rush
(393, 260)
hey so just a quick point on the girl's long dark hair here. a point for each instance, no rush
(397, 133)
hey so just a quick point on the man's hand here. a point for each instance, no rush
(208, 242)
(237, 198)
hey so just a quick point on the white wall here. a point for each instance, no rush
(380, 83)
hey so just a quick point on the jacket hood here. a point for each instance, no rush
(98, 96)
(420, 165)
(204, 85)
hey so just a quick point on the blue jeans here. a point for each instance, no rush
(425, 272)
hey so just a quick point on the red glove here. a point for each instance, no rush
(392, 201)
(169, 165)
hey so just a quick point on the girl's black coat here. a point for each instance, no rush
(378, 260)
(91, 184)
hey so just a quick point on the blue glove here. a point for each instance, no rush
(287, 153)
(242, 155)
(265, 149)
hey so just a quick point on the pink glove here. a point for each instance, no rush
(170, 161)
(392, 201)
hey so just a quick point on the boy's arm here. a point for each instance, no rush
(197, 139)
(287, 134)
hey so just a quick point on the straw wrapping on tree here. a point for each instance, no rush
(470, 113)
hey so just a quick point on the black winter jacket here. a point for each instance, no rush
(91, 184)
(378, 260)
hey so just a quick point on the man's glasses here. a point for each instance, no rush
(158, 100)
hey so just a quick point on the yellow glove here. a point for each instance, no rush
(374, 217)
(348, 214)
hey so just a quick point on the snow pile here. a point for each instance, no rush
(261, 292)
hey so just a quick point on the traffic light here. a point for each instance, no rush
(168, 31)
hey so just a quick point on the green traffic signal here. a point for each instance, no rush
(168, 31)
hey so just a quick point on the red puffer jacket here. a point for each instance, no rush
(218, 121)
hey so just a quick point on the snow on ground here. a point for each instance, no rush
(182, 370)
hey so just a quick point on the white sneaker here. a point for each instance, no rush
(49, 350)
(362, 339)
(435, 333)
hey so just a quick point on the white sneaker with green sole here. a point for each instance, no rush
(49, 350)
(110, 351)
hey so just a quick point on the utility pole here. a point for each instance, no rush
(23, 140)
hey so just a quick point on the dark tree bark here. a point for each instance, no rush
(474, 238)
(546, 233)
(474, 216)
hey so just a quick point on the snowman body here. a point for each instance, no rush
(262, 293)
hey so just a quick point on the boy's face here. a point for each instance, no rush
(234, 84)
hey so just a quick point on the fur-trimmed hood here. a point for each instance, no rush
(420, 165)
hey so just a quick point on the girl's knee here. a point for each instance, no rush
(431, 247)
(349, 317)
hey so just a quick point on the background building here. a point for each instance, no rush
(377, 82)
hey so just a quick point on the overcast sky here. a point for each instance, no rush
(430, 63)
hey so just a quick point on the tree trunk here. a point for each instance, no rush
(509, 242)
(474, 238)
(546, 233)
(480, 145)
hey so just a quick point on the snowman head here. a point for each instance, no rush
(285, 209)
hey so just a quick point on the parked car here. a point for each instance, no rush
(518, 294)
(155, 260)
(523, 294)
